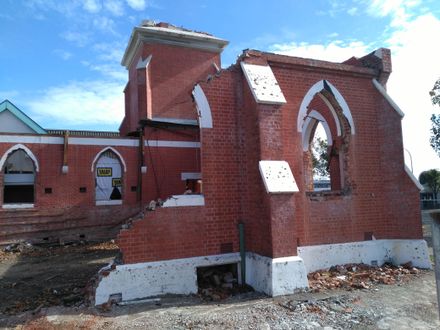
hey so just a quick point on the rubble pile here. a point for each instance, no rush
(359, 276)
(218, 283)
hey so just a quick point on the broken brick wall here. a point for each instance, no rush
(66, 213)
(166, 233)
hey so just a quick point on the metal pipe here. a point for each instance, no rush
(436, 248)
(242, 252)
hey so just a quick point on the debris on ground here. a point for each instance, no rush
(33, 277)
(219, 282)
(360, 276)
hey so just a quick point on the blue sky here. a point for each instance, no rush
(60, 60)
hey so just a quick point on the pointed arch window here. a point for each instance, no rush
(108, 178)
(19, 178)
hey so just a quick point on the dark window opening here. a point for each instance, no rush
(47, 190)
(82, 189)
(18, 194)
(19, 178)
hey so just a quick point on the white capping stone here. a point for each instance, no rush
(277, 176)
(263, 84)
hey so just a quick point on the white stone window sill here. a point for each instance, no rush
(184, 200)
(112, 202)
(18, 206)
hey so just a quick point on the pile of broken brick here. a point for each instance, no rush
(360, 276)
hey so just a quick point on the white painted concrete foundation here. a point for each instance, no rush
(396, 251)
(275, 277)
(149, 279)
(279, 276)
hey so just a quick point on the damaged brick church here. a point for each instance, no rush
(213, 166)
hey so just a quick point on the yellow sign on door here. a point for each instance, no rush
(104, 171)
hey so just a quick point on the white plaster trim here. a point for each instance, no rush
(203, 108)
(95, 141)
(184, 200)
(18, 206)
(190, 176)
(121, 159)
(277, 176)
(316, 89)
(397, 251)
(387, 97)
(172, 144)
(187, 39)
(263, 84)
(143, 64)
(333, 112)
(343, 104)
(192, 122)
(25, 149)
(149, 279)
(413, 178)
(309, 123)
(110, 202)
(275, 277)
(104, 142)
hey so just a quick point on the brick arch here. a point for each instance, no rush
(318, 89)
(25, 149)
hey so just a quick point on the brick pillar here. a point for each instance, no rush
(279, 208)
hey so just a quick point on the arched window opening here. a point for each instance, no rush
(108, 177)
(326, 125)
(319, 152)
(19, 178)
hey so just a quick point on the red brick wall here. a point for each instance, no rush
(67, 213)
(167, 233)
(172, 73)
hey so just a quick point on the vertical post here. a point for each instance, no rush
(140, 165)
(436, 247)
(65, 167)
(242, 252)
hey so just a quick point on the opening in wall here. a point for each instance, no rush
(319, 152)
(19, 178)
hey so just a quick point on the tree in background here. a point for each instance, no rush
(435, 119)
(320, 158)
(431, 178)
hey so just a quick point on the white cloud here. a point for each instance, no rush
(81, 39)
(111, 70)
(104, 24)
(335, 51)
(116, 7)
(89, 104)
(137, 4)
(8, 95)
(112, 51)
(65, 55)
(415, 69)
(400, 11)
(92, 6)
(352, 11)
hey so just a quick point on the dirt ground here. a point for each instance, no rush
(410, 305)
(44, 288)
(33, 277)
